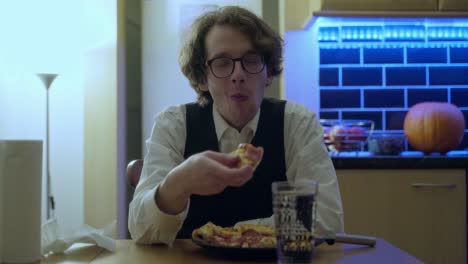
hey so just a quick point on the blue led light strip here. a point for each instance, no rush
(392, 30)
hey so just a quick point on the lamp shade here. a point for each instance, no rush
(47, 78)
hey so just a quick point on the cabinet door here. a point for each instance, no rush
(421, 211)
(385, 5)
(453, 5)
(294, 14)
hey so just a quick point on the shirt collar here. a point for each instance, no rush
(221, 125)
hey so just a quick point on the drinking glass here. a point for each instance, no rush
(294, 206)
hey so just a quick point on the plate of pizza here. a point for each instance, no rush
(241, 239)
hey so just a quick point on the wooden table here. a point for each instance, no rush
(185, 251)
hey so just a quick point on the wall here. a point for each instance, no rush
(104, 122)
(270, 13)
(298, 75)
(76, 39)
(131, 20)
(133, 60)
(377, 69)
(56, 48)
(101, 136)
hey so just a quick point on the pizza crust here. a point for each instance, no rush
(249, 155)
(262, 229)
(207, 230)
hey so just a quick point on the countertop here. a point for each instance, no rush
(406, 160)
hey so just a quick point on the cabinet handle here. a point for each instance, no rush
(433, 185)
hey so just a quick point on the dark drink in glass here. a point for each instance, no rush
(294, 214)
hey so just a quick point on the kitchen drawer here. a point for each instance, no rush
(453, 5)
(382, 5)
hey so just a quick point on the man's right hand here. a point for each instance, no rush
(205, 173)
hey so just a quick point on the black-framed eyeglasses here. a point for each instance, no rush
(223, 67)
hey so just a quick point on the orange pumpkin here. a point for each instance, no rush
(434, 127)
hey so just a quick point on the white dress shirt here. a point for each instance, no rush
(305, 154)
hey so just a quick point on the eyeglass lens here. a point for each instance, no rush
(223, 67)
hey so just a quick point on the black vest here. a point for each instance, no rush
(253, 199)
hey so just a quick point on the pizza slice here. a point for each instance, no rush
(241, 235)
(261, 229)
(249, 155)
(216, 235)
(257, 236)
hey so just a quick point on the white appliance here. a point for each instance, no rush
(20, 200)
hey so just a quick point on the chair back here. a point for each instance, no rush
(134, 168)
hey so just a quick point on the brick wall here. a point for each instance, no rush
(378, 72)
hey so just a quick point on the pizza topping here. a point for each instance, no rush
(242, 235)
(249, 155)
(251, 239)
(268, 242)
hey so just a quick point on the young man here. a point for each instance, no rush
(188, 176)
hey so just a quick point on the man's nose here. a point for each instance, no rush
(238, 75)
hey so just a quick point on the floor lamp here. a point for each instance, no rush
(47, 79)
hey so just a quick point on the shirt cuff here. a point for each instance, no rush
(168, 225)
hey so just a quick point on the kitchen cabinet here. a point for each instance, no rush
(421, 211)
(298, 14)
(453, 5)
(382, 5)
(294, 14)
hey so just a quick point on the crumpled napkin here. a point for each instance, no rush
(53, 241)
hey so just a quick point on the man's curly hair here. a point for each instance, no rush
(265, 40)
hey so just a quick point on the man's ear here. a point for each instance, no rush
(203, 84)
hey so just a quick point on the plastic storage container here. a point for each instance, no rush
(383, 143)
(346, 135)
